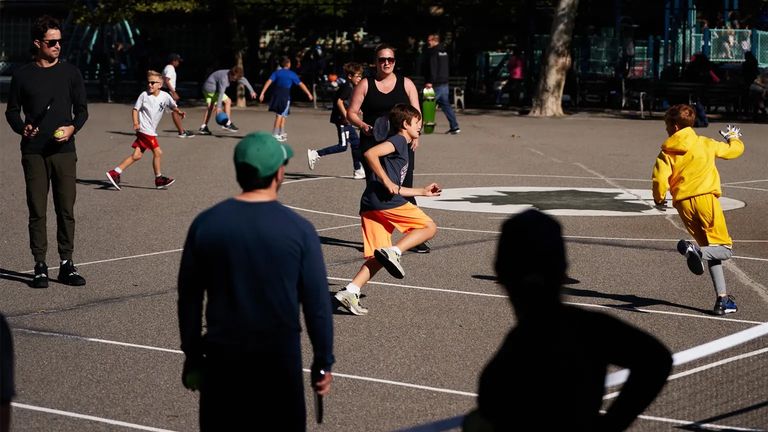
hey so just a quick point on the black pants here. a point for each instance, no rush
(58, 172)
(262, 389)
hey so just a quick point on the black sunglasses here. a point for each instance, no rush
(51, 42)
(383, 60)
(154, 82)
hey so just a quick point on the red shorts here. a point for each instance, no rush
(145, 142)
(378, 225)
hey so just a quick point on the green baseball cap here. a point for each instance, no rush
(263, 152)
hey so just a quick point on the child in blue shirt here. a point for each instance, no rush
(280, 103)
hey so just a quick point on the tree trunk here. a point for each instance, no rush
(557, 61)
(238, 45)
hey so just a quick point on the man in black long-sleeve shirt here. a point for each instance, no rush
(256, 261)
(434, 67)
(52, 96)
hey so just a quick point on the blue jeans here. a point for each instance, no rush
(441, 97)
(347, 138)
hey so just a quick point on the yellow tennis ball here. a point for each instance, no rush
(59, 133)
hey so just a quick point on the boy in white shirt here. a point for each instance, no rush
(147, 112)
(169, 83)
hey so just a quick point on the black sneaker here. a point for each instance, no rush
(204, 131)
(454, 131)
(41, 275)
(692, 255)
(230, 128)
(68, 274)
(725, 305)
(186, 134)
(421, 248)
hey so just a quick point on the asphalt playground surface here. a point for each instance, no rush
(106, 356)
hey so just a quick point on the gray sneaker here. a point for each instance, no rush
(692, 255)
(391, 261)
(351, 302)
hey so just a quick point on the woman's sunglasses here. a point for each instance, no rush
(383, 60)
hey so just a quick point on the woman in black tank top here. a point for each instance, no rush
(373, 103)
(377, 104)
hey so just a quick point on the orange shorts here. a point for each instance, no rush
(145, 142)
(378, 225)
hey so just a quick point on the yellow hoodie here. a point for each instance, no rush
(686, 165)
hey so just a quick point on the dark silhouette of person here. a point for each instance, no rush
(550, 372)
(750, 69)
(7, 387)
(700, 71)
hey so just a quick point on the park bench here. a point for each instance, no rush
(456, 84)
(724, 94)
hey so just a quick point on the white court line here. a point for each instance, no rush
(311, 179)
(480, 294)
(744, 182)
(401, 384)
(661, 312)
(700, 351)
(747, 188)
(369, 379)
(445, 290)
(499, 232)
(88, 417)
(104, 341)
(338, 227)
(321, 212)
(115, 259)
(454, 174)
(718, 363)
(729, 184)
(710, 426)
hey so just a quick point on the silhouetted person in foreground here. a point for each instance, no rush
(7, 387)
(549, 374)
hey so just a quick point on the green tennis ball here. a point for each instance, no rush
(59, 133)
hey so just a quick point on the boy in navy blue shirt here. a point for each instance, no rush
(346, 132)
(280, 104)
(383, 207)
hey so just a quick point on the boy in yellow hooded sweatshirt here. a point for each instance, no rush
(686, 167)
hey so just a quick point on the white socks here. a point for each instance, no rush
(354, 289)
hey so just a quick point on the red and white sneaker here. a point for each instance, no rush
(114, 178)
(163, 182)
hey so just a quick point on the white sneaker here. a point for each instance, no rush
(280, 138)
(312, 158)
(390, 260)
(284, 135)
(358, 174)
(351, 302)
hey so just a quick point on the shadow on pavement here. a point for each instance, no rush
(330, 241)
(16, 276)
(631, 301)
